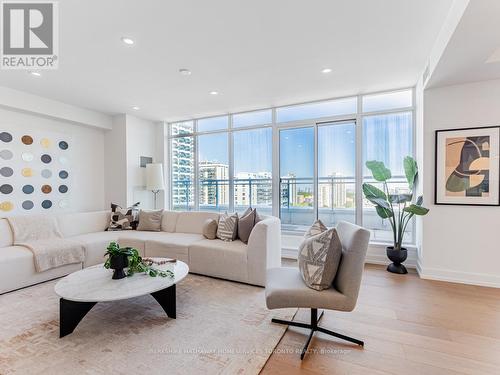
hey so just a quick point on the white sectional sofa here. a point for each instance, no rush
(180, 238)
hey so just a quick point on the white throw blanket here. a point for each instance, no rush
(41, 235)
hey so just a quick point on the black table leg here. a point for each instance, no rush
(166, 299)
(70, 314)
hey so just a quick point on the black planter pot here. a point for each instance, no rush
(397, 257)
(118, 263)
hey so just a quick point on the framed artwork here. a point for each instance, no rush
(468, 166)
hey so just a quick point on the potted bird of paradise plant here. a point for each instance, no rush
(398, 209)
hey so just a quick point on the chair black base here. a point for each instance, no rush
(313, 326)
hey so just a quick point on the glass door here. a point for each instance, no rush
(337, 172)
(317, 175)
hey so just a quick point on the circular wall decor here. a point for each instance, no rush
(46, 204)
(63, 189)
(6, 172)
(63, 145)
(63, 160)
(45, 143)
(27, 156)
(63, 174)
(27, 140)
(6, 189)
(46, 173)
(46, 158)
(46, 189)
(28, 205)
(6, 206)
(6, 154)
(63, 203)
(27, 172)
(5, 137)
(28, 189)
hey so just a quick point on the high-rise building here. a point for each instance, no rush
(214, 183)
(182, 167)
(332, 191)
(253, 189)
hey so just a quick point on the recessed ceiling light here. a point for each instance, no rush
(136, 108)
(326, 70)
(185, 72)
(214, 93)
(127, 40)
(36, 74)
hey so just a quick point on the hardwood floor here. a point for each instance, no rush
(409, 326)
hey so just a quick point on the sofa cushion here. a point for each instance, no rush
(176, 242)
(6, 238)
(95, 245)
(175, 245)
(75, 223)
(192, 222)
(169, 221)
(285, 288)
(18, 269)
(219, 259)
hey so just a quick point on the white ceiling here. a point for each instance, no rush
(475, 41)
(255, 53)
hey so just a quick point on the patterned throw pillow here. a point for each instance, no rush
(319, 256)
(124, 218)
(228, 227)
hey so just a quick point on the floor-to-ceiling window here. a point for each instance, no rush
(252, 177)
(297, 178)
(299, 162)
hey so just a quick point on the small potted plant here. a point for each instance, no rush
(399, 209)
(120, 258)
(117, 259)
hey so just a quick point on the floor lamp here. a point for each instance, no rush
(154, 179)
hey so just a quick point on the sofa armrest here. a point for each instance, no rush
(264, 249)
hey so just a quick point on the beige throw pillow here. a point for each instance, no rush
(228, 227)
(150, 220)
(319, 256)
(210, 229)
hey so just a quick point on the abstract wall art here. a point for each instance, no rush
(467, 170)
(35, 171)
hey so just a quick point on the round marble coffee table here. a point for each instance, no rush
(81, 290)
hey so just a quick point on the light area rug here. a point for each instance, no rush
(222, 327)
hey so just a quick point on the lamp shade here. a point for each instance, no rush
(154, 177)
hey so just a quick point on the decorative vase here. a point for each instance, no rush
(118, 263)
(397, 257)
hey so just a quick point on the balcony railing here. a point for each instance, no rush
(336, 200)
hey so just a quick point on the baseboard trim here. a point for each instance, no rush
(375, 255)
(450, 276)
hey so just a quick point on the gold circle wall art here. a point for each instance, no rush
(35, 170)
(27, 172)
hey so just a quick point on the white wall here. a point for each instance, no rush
(87, 154)
(141, 141)
(115, 162)
(129, 139)
(460, 243)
